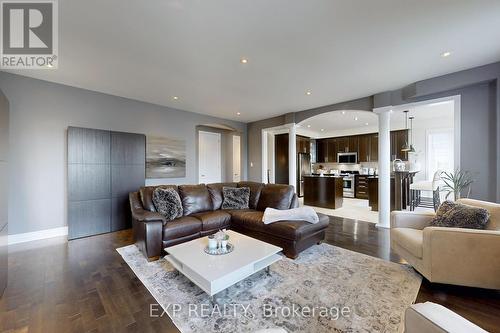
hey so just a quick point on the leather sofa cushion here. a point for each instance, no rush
(255, 190)
(409, 239)
(213, 220)
(146, 194)
(181, 227)
(215, 191)
(292, 230)
(195, 198)
(275, 196)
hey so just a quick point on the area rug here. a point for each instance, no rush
(327, 289)
(355, 209)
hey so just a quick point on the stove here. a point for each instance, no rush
(349, 182)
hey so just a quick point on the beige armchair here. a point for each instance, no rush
(467, 257)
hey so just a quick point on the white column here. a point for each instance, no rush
(384, 166)
(292, 155)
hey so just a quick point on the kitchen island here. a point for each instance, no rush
(323, 191)
(400, 190)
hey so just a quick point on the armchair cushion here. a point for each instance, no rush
(457, 215)
(409, 239)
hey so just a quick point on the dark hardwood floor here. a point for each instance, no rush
(85, 286)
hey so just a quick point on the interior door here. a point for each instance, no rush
(209, 157)
(236, 158)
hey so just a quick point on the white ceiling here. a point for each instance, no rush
(338, 49)
(351, 122)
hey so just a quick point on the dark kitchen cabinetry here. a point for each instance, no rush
(303, 144)
(364, 148)
(366, 145)
(398, 139)
(361, 185)
(373, 148)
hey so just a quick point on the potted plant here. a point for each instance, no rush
(455, 182)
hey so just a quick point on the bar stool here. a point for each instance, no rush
(416, 199)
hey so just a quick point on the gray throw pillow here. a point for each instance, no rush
(235, 198)
(456, 215)
(168, 203)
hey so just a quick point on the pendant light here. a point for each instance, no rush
(412, 149)
(406, 146)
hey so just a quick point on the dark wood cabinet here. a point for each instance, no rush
(373, 148)
(398, 139)
(364, 148)
(353, 145)
(343, 144)
(366, 145)
(361, 186)
(303, 144)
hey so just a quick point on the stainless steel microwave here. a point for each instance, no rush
(347, 158)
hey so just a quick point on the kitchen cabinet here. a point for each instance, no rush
(353, 145)
(281, 158)
(366, 145)
(303, 144)
(398, 139)
(343, 144)
(364, 148)
(361, 186)
(332, 147)
(373, 148)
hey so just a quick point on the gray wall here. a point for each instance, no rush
(480, 121)
(40, 115)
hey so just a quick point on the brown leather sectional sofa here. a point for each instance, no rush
(203, 216)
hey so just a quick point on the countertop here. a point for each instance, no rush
(325, 176)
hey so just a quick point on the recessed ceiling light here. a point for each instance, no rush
(355, 118)
(308, 92)
(49, 66)
(446, 54)
(238, 113)
(175, 98)
(343, 112)
(322, 129)
(366, 124)
(244, 60)
(308, 126)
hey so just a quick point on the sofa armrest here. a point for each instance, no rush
(413, 220)
(140, 214)
(463, 256)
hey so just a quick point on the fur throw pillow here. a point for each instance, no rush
(235, 198)
(456, 215)
(167, 202)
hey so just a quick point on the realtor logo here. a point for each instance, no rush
(29, 34)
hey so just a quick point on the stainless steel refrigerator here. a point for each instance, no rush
(303, 168)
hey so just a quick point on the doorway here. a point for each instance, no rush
(236, 158)
(209, 157)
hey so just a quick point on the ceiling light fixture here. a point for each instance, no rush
(356, 118)
(322, 130)
(343, 112)
(244, 60)
(308, 126)
(446, 54)
(366, 124)
(238, 113)
(175, 98)
(308, 92)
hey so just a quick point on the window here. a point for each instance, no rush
(440, 151)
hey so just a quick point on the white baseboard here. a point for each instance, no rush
(37, 235)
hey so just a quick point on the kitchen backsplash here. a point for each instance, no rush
(346, 167)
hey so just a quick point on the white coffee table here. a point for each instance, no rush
(214, 273)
